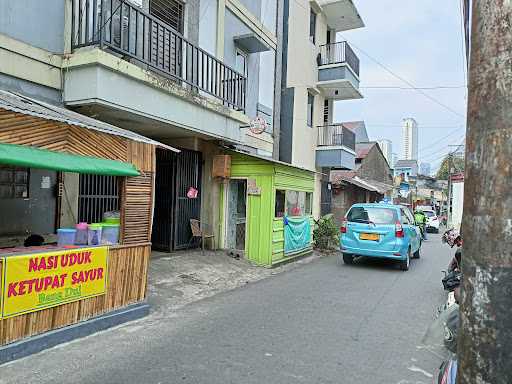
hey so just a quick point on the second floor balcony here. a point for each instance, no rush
(139, 37)
(338, 71)
(336, 146)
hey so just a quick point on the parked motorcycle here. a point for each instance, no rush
(447, 372)
(453, 276)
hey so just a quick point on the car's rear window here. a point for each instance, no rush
(429, 213)
(374, 215)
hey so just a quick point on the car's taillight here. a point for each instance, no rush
(343, 228)
(399, 230)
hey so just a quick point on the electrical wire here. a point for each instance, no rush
(463, 45)
(433, 99)
(410, 88)
(434, 155)
(440, 140)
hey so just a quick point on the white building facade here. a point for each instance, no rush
(386, 146)
(410, 139)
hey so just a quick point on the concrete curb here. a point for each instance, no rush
(35, 344)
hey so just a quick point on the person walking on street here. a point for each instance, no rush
(421, 220)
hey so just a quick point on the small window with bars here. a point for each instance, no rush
(13, 182)
(97, 195)
(171, 12)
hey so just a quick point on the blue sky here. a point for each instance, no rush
(420, 41)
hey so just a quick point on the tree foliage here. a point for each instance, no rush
(458, 165)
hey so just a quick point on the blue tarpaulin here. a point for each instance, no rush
(297, 233)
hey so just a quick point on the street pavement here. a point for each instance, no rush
(323, 322)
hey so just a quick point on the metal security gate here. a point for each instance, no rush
(165, 197)
(176, 173)
(188, 175)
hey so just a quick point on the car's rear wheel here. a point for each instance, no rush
(348, 259)
(404, 264)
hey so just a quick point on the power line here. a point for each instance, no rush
(398, 125)
(463, 44)
(433, 99)
(412, 89)
(434, 155)
(441, 139)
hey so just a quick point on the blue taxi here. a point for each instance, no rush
(380, 230)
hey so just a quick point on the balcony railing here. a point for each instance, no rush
(336, 135)
(138, 36)
(339, 53)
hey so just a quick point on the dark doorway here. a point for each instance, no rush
(176, 173)
(165, 196)
(325, 198)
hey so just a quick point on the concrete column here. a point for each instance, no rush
(221, 11)
(69, 204)
(67, 26)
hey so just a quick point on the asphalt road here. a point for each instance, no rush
(321, 323)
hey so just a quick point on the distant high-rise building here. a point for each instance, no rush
(387, 150)
(410, 139)
(425, 169)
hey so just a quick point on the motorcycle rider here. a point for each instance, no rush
(421, 220)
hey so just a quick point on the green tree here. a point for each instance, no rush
(458, 165)
(325, 234)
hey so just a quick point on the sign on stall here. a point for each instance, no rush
(42, 280)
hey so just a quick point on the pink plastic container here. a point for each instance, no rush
(81, 233)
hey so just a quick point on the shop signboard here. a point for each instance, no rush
(38, 281)
(252, 188)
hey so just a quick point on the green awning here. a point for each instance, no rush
(31, 157)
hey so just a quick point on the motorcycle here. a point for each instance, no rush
(441, 340)
(453, 276)
(447, 372)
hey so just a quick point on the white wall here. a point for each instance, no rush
(208, 27)
(303, 76)
(267, 78)
(457, 204)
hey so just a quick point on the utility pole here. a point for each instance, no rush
(485, 337)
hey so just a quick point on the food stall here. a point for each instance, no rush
(52, 162)
(267, 209)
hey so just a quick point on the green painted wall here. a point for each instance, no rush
(265, 233)
(278, 241)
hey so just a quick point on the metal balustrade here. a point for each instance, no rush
(138, 36)
(336, 135)
(338, 53)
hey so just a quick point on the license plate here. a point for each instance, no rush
(369, 236)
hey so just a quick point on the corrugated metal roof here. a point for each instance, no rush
(28, 106)
(362, 149)
(369, 185)
(359, 128)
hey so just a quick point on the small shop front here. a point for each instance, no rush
(90, 183)
(266, 210)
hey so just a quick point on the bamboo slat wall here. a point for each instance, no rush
(138, 208)
(127, 279)
(128, 263)
(17, 128)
